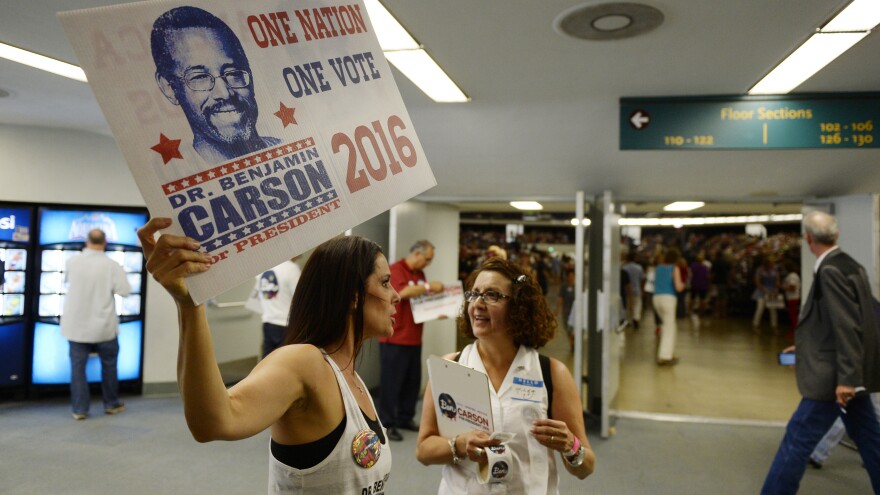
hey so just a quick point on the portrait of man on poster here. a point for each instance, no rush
(202, 68)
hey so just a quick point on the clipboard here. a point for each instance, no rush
(461, 397)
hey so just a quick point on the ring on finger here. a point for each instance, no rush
(479, 451)
(551, 438)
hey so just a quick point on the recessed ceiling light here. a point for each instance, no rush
(684, 206)
(527, 205)
(608, 21)
(612, 22)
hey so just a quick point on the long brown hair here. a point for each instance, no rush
(532, 324)
(334, 277)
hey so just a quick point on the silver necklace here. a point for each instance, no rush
(357, 384)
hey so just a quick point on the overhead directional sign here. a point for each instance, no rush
(838, 120)
(639, 119)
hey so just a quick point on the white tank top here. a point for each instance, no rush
(521, 399)
(359, 464)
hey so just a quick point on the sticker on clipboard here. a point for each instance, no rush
(461, 397)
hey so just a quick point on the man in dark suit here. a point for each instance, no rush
(837, 361)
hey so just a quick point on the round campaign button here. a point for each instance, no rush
(500, 470)
(366, 448)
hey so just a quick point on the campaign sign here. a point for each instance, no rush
(461, 397)
(432, 306)
(262, 128)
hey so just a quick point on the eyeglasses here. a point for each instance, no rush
(203, 81)
(488, 297)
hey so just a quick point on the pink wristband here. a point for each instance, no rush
(575, 446)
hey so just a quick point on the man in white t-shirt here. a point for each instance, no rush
(275, 290)
(90, 323)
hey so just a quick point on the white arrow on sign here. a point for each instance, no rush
(639, 119)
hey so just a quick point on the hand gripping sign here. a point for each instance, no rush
(262, 128)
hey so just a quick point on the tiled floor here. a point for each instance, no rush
(726, 370)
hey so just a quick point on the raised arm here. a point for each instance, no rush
(213, 412)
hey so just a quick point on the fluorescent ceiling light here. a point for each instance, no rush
(837, 36)
(421, 69)
(527, 205)
(42, 62)
(697, 221)
(392, 36)
(407, 56)
(860, 15)
(684, 206)
(402, 50)
(808, 59)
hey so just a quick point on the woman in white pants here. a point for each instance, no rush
(667, 282)
(766, 289)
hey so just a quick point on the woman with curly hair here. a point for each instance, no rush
(507, 314)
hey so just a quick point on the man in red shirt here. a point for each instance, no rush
(401, 354)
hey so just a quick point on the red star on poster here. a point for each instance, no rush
(168, 148)
(286, 115)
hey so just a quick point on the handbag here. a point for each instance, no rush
(774, 302)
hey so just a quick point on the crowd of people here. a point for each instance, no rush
(676, 273)
(476, 245)
(726, 274)
(339, 441)
(348, 293)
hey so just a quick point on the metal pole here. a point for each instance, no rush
(578, 292)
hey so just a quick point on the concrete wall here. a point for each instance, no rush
(857, 219)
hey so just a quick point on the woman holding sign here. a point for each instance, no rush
(326, 437)
(532, 397)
